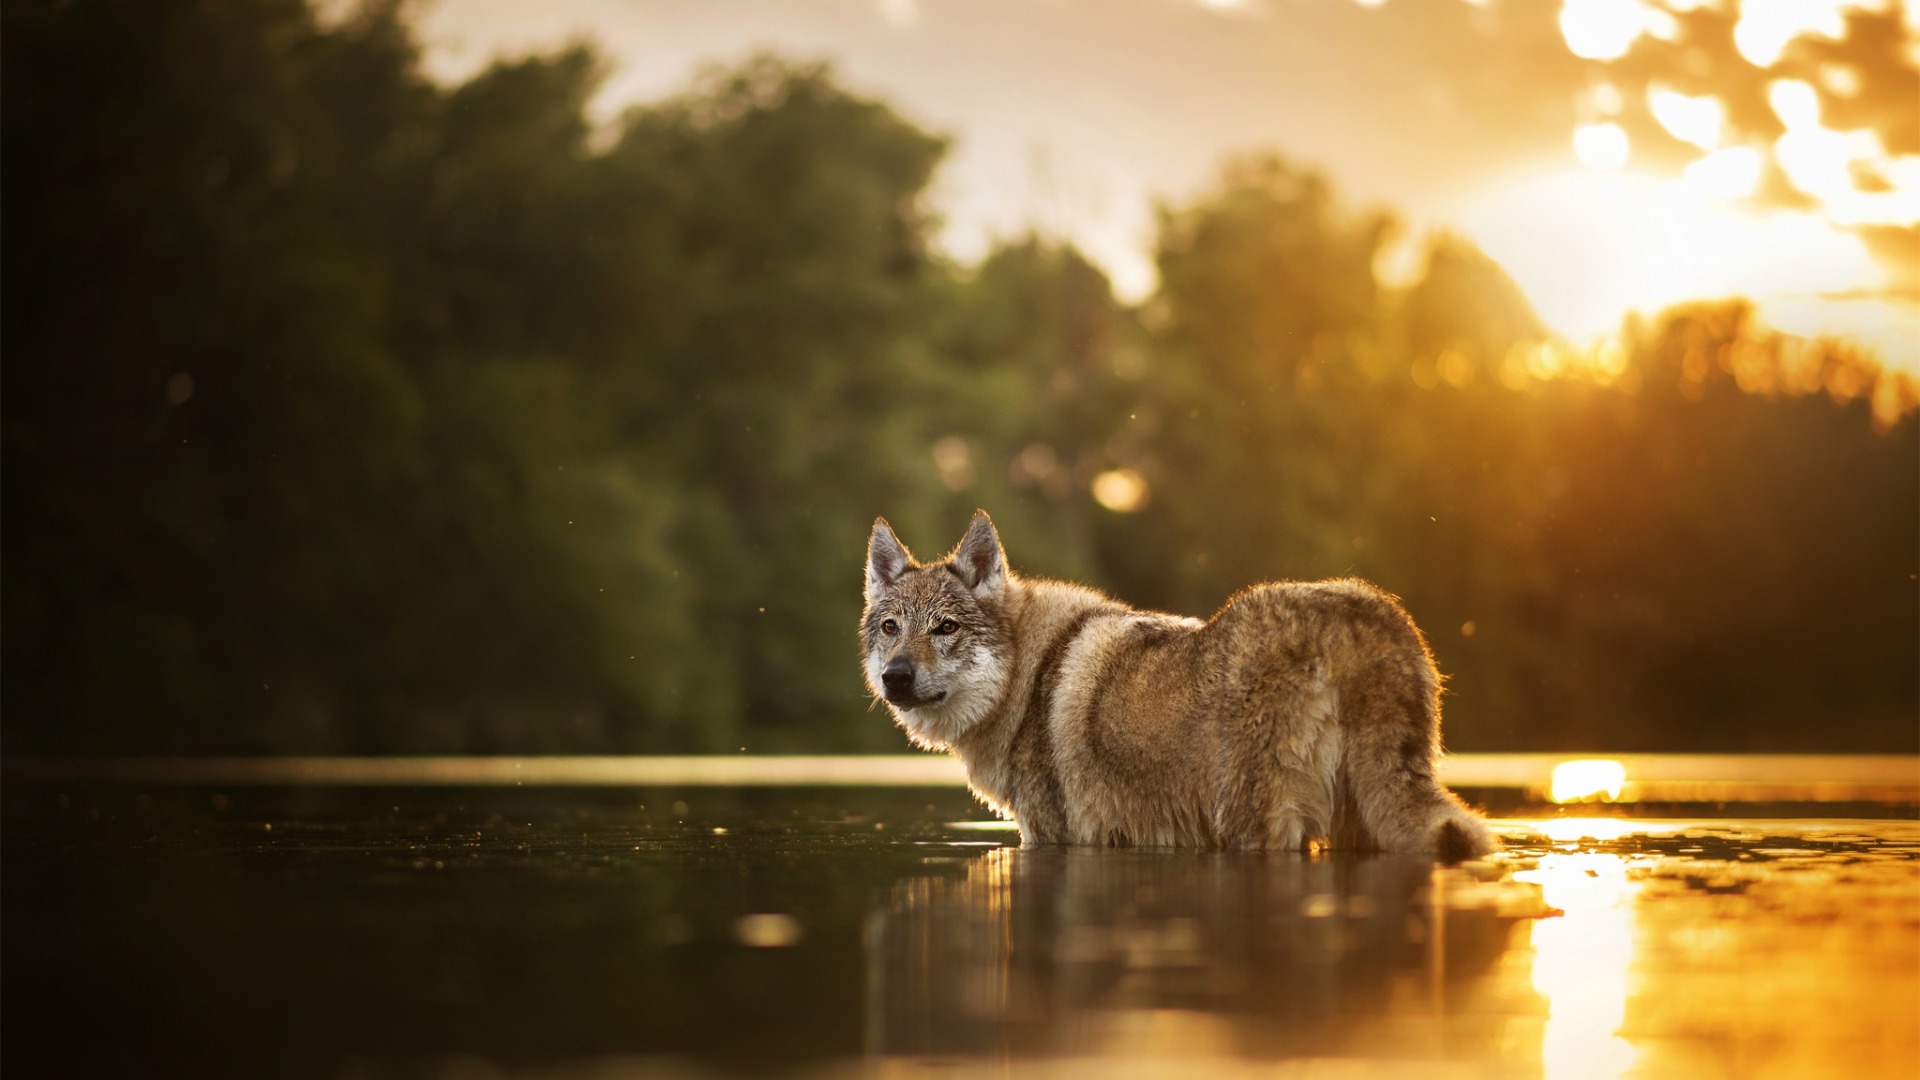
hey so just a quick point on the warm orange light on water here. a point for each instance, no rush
(1582, 963)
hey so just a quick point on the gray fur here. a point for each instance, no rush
(1300, 714)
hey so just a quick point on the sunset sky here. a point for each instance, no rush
(1612, 154)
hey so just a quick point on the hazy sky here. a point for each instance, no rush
(1612, 154)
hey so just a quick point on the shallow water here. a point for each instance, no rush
(346, 932)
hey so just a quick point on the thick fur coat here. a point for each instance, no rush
(1299, 715)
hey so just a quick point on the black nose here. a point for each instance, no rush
(898, 675)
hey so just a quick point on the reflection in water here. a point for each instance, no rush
(1582, 962)
(1573, 829)
(1649, 948)
(1167, 955)
(571, 933)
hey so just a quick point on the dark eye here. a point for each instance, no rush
(889, 627)
(947, 626)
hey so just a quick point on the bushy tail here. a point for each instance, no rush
(1462, 835)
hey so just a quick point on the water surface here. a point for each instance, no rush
(344, 932)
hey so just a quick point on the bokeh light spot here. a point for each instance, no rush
(1696, 120)
(1602, 29)
(1601, 146)
(1794, 102)
(1122, 491)
(1766, 27)
(767, 930)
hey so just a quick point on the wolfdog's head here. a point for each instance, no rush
(934, 635)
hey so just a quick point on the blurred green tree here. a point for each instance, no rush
(1267, 297)
(1040, 392)
(343, 411)
(404, 420)
(774, 242)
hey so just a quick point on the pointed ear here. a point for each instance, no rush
(979, 558)
(887, 557)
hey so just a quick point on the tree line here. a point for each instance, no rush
(344, 411)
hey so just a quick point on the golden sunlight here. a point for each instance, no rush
(1602, 29)
(1588, 246)
(1601, 146)
(1815, 158)
(1695, 120)
(1587, 779)
(1830, 164)
(1766, 27)
(1570, 829)
(1730, 173)
(1636, 241)
(1583, 962)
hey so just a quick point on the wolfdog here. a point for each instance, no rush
(1299, 716)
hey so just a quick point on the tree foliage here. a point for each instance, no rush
(348, 412)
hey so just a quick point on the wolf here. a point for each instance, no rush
(1300, 716)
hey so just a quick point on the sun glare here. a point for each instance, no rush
(1601, 146)
(1816, 161)
(1587, 779)
(1583, 963)
(1766, 27)
(1589, 246)
(1830, 165)
(1602, 29)
(1897, 203)
(1732, 173)
(1627, 242)
(1695, 120)
(1794, 102)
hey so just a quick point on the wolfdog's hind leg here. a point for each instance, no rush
(1280, 765)
(1391, 718)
